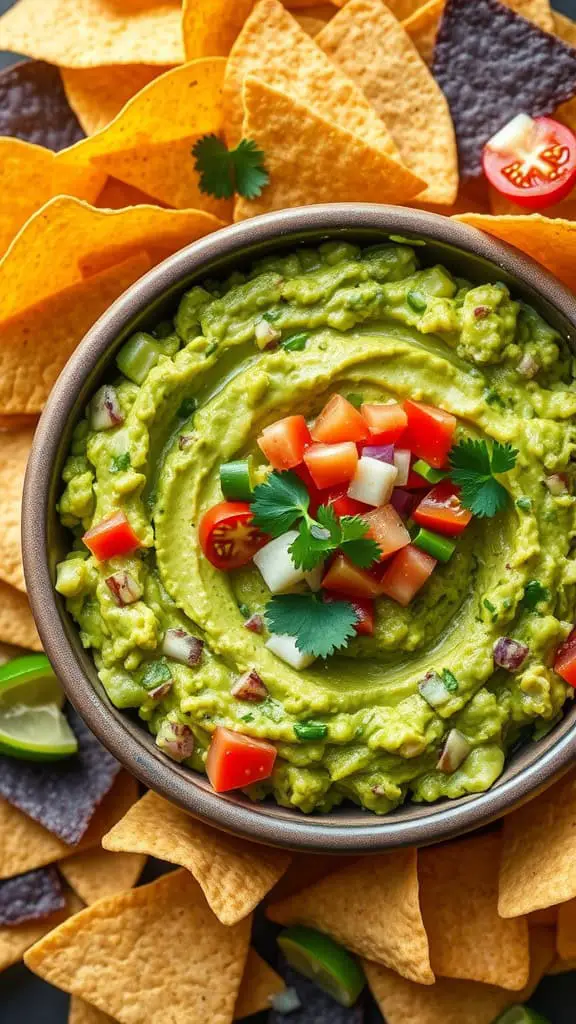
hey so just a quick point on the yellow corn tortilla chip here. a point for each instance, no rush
(211, 26)
(14, 450)
(459, 899)
(422, 27)
(565, 28)
(450, 1001)
(96, 874)
(259, 983)
(166, 927)
(306, 869)
(547, 917)
(26, 845)
(538, 11)
(552, 242)
(82, 1012)
(313, 23)
(29, 370)
(311, 160)
(367, 42)
(538, 867)
(149, 143)
(117, 194)
(372, 908)
(14, 941)
(98, 94)
(234, 874)
(90, 33)
(16, 622)
(566, 936)
(271, 46)
(47, 255)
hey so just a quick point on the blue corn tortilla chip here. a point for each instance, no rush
(30, 897)
(492, 64)
(317, 1007)
(61, 796)
(33, 106)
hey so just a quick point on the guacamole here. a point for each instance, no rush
(195, 393)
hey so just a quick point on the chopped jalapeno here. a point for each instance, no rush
(236, 480)
(416, 301)
(433, 476)
(310, 730)
(441, 548)
(296, 342)
(138, 356)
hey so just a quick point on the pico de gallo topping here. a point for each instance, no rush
(532, 161)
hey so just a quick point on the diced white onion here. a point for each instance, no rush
(528, 366)
(105, 411)
(456, 750)
(373, 482)
(124, 588)
(182, 646)
(176, 740)
(249, 686)
(284, 647)
(276, 566)
(314, 578)
(267, 336)
(556, 484)
(402, 462)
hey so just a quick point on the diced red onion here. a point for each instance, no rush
(255, 623)
(556, 484)
(402, 462)
(176, 740)
(185, 440)
(456, 750)
(380, 452)
(481, 312)
(124, 588)
(404, 502)
(434, 691)
(161, 691)
(509, 653)
(286, 1001)
(267, 336)
(528, 366)
(249, 686)
(105, 411)
(182, 646)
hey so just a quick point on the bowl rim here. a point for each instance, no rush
(254, 821)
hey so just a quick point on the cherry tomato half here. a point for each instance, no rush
(227, 537)
(532, 161)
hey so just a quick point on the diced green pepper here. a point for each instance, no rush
(236, 480)
(441, 548)
(310, 730)
(433, 476)
(138, 356)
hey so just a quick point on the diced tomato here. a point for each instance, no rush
(331, 464)
(341, 503)
(386, 423)
(532, 161)
(406, 574)
(235, 761)
(565, 662)
(364, 608)
(339, 421)
(316, 496)
(283, 442)
(415, 482)
(227, 536)
(346, 578)
(111, 537)
(387, 529)
(429, 432)
(440, 510)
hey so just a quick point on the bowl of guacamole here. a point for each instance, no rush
(304, 552)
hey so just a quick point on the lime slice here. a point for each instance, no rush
(521, 1015)
(324, 961)
(32, 726)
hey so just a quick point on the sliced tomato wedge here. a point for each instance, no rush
(331, 464)
(429, 433)
(227, 536)
(386, 423)
(341, 503)
(283, 442)
(111, 537)
(387, 529)
(364, 608)
(235, 761)
(406, 574)
(346, 578)
(532, 161)
(565, 661)
(339, 421)
(440, 510)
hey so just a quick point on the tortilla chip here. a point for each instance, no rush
(312, 24)
(566, 937)
(100, 954)
(46, 256)
(372, 48)
(98, 94)
(560, 966)
(450, 1001)
(30, 897)
(82, 1012)
(311, 160)
(306, 869)
(26, 845)
(14, 450)
(149, 143)
(90, 33)
(459, 899)
(234, 874)
(29, 370)
(271, 46)
(547, 917)
(16, 623)
(422, 27)
(97, 874)
(259, 983)
(372, 908)
(536, 11)
(15, 940)
(117, 194)
(552, 242)
(565, 28)
(211, 26)
(34, 108)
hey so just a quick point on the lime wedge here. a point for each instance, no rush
(324, 961)
(32, 726)
(521, 1015)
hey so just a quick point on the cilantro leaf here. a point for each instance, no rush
(119, 463)
(224, 171)
(318, 628)
(473, 467)
(356, 544)
(534, 592)
(279, 502)
(316, 540)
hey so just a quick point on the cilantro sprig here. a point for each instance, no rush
(473, 469)
(318, 627)
(283, 501)
(225, 171)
